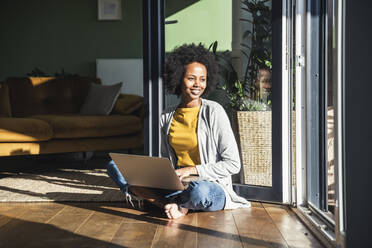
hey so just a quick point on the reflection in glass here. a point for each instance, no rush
(330, 134)
(250, 93)
(331, 159)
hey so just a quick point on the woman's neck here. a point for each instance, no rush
(190, 104)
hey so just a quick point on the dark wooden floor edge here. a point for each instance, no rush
(312, 228)
(271, 202)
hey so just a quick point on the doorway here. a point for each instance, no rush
(172, 23)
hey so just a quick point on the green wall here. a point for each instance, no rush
(202, 21)
(56, 34)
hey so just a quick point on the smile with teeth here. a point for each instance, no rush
(195, 92)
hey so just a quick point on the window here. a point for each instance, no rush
(318, 136)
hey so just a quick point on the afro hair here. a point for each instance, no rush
(179, 58)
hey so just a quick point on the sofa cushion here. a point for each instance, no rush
(100, 99)
(24, 130)
(79, 126)
(72, 145)
(127, 104)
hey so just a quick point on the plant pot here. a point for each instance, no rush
(254, 130)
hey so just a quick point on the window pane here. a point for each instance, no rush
(240, 35)
(251, 95)
(330, 162)
(194, 21)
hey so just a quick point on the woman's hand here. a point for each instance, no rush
(186, 171)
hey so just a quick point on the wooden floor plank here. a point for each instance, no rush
(116, 225)
(63, 219)
(41, 212)
(256, 229)
(4, 220)
(29, 226)
(134, 234)
(177, 233)
(101, 226)
(217, 229)
(10, 211)
(294, 232)
(130, 215)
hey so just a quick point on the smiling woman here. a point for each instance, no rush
(194, 84)
(196, 137)
(180, 58)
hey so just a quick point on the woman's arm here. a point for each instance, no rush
(228, 154)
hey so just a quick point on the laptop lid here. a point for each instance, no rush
(147, 171)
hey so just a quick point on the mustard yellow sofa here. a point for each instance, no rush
(42, 115)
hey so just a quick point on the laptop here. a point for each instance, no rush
(153, 172)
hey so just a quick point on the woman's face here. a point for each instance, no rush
(194, 81)
(264, 79)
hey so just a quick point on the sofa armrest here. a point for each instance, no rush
(129, 104)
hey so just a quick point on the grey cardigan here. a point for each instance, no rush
(218, 150)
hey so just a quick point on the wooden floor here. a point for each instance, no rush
(115, 225)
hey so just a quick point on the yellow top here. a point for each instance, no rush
(183, 137)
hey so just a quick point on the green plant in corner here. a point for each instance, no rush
(245, 93)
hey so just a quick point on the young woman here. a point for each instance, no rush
(196, 137)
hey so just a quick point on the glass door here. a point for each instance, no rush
(321, 106)
(319, 109)
(247, 40)
(258, 119)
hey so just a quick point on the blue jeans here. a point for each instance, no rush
(199, 195)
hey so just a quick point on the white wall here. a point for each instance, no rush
(128, 71)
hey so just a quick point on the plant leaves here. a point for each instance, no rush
(215, 46)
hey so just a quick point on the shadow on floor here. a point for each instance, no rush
(19, 233)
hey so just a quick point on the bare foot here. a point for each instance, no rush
(174, 212)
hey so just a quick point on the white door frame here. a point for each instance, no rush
(300, 51)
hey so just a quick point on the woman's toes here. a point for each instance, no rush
(174, 212)
(167, 207)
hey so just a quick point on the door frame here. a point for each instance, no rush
(153, 54)
(307, 211)
(153, 60)
(280, 191)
